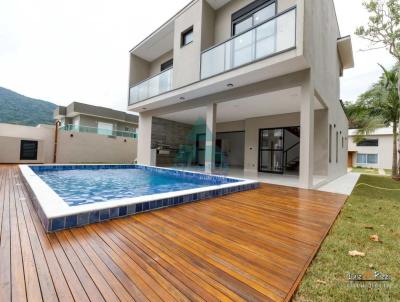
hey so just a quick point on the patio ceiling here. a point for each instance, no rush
(274, 103)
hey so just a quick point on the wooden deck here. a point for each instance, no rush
(251, 246)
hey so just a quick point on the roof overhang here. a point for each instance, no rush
(161, 40)
(345, 49)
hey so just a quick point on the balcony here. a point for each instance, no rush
(151, 87)
(270, 38)
(99, 131)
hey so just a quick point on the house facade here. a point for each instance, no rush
(257, 82)
(374, 151)
(80, 117)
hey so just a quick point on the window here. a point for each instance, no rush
(252, 15)
(364, 159)
(337, 147)
(104, 128)
(187, 37)
(167, 65)
(28, 150)
(368, 143)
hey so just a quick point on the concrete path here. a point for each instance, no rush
(342, 185)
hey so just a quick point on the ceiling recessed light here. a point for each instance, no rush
(229, 85)
(182, 98)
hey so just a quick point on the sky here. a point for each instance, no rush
(72, 50)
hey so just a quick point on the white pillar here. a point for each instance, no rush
(211, 126)
(307, 135)
(144, 139)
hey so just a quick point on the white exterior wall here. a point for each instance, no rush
(321, 32)
(10, 143)
(80, 148)
(93, 148)
(384, 151)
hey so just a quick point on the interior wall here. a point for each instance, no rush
(232, 148)
(253, 127)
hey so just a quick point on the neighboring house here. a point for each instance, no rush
(262, 75)
(81, 117)
(375, 151)
(87, 134)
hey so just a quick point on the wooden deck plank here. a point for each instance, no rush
(33, 292)
(5, 244)
(17, 268)
(249, 246)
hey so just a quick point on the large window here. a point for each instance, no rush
(252, 15)
(104, 128)
(365, 159)
(368, 143)
(28, 150)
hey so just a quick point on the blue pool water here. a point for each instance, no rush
(85, 186)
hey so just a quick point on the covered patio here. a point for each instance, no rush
(264, 131)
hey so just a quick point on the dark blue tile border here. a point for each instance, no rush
(81, 219)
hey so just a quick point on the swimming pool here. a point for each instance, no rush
(67, 196)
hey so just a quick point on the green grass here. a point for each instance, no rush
(326, 278)
(388, 172)
(365, 170)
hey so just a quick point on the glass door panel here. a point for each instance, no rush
(271, 150)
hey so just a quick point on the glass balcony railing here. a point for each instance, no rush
(151, 87)
(274, 36)
(99, 131)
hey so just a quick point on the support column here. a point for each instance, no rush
(307, 135)
(211, 126)
(144, 139)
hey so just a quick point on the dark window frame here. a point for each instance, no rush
(167, 65)
(23, 156)
(250, 10)
(183, 35)
(369, 142)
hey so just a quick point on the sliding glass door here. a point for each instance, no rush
(271, 150)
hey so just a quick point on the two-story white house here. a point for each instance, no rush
(263, 75)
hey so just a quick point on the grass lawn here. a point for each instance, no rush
(368, 211)
(365, 170)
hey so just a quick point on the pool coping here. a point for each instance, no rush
(55, 214)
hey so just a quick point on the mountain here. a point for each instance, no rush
(18, 109)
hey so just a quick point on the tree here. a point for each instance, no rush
(377, 107)
(383, 31)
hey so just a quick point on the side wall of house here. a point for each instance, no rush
(321, 32)
(384, 151)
